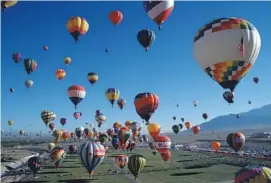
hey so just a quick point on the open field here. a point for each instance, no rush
(187, 166)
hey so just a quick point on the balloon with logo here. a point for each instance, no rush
(112, 94)
(154, 129)
(76, 94)
(91, 155)
(228, 51)
(236, 141)
(121, 103)
(146, 104)
(124, 135)
(92, 78)
(77, 115)
(77, 27)
(162, 143)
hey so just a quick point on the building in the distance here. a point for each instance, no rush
(261, 135)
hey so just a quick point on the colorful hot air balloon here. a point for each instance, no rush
(136, 163)
(187, 125)
(77, 26)
(79, 132)
(215, 145)
(76, 94)
(115, 17)
(100, 119)
(256, 80)
(145, 38)
(146, 104)
(128, 124)
(237, 116)
(91, 155)
(228, 96)
(236, 141)
(166, 155)
(112, 94)
(103, 138)
(34, 164)
(124, 135)
(58, 134)
(52, 126)
(51, 145)
(162, 143)
(77, 115)
(195, 103)
(195, 129)
(121, 161)
(30, 65)
(159, 11)
(67, 60)
(7, 4)
(121, 103)
(92, 78)
(253, 174)
(60, 74)
(65, 135)
(176, 129)
(228, 51)
(63, 121)
(115, 141)
(29, 84)
(17, 57)
(47, 116)
(154, 129)
(45, 48)
(57, 156)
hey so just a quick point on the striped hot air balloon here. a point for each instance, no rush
(136, 163)
(76, 94)
(159, 11)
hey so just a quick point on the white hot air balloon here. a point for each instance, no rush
(226, 49)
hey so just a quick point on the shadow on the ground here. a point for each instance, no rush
(185, 174)
(184, 160)
(185, 155)
(78, 180)
(53, 172)
(148, 166)
(70, 167)
(33, 181)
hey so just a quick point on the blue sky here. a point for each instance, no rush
(168, 69)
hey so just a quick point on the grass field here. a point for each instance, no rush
(185, 167)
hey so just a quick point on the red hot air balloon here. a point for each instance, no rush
(162, 143)
(196, 129)
(52, 126)
(77, 115)
(124, 135)
(76, 94)
(116, 17)
(146, 104)
(236, 141)
(166, 155)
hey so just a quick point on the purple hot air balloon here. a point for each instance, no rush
(17, 57)
(63, 121)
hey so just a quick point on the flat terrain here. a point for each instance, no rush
(186, 166)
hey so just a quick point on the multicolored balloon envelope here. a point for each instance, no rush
(236, 141)
(136, 163)
(254, 174)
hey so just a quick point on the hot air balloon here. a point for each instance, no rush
(146, 104)
(73, 149)
(112, 94)
(58, 134)
(91, 155)
(67, 60)
(52, 126)
(162, 143)
(11, 90)
(47, 116)
(195, 130)
(106, 50)
(65, 135)
(28, 84)
(45, 48)
(21, 132)
(187, 125)
(135, 126)
(154, 129)
(100, 119)
(117, 125)
(195, 103)
(57, 156)
(256, 80)
(182, 119)
(176, 129)
(115, 17)
(145, 38)
(92, 78)
(51, 145)
(166, 155)
(121, 103)
(136, 163)
(60, 74)
(7, 4)
(124, 135)
(63, 121)
(30, 65)
(253, 174)
(215, 145)
(121, 161)
(77, 26)
(181, 126)
(79, 131)
(249, 102)
(174, 118)
(10, 122)
(145, 138)
(128, 124)
(77, 115)
(205, 116)
(228, 96)
(17, 57)
(76, 94)
(228, 51)
(236, 141)
(158, 11)
(34, 164)
(115, 141)
(103, 138)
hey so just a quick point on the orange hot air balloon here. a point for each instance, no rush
(128, 124)
(196, 129)
(65, 135)
(154, 129)
(60, 74)
(215, 145)
(187, 125)
(116, 17)
(166, 155)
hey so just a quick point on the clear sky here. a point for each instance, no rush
(168, 69)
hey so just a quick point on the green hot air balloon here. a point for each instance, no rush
(176, 129)
(136, 163)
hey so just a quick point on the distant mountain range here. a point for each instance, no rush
(253, 118)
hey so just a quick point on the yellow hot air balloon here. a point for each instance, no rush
(77, 26)
(92, 78)
(58, 134)
(10, 122)
(51, 145)
(60, 74)
(7, 4)
(154, 129)
(253, 174)
(112, 94)
(67, 60)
